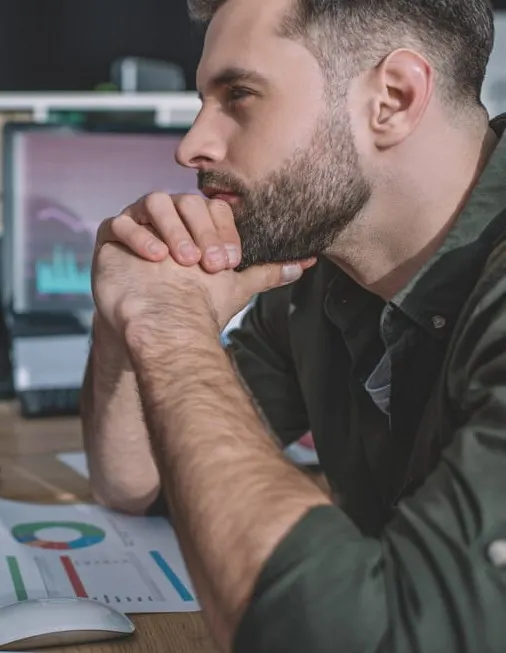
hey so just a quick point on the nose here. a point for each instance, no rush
(202, 145)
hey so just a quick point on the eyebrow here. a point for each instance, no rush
(232, 75)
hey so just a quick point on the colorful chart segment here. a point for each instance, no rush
(74, 578)
(172, 577)
(89, 535)
(17, 578)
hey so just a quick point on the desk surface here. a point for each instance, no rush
(29, 471)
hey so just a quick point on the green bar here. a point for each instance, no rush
(17, 579)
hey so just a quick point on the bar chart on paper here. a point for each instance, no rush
(103, 579)
(83, 551)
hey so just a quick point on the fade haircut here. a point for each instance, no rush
(347, 36)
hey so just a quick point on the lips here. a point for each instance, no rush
(220, 194)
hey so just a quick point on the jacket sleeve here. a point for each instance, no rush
(435, 582)
(260, 349)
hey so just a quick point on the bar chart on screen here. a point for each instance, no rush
(84, 551)
(62, 275)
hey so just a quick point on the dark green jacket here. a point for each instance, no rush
(414, 560)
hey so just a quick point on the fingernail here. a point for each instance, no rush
(215, 255)
(187, 250)
(291, 273)
(233, 254)
(154, 247)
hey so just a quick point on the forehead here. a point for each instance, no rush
(243, 34)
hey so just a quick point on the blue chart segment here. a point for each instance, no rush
(62, 275)
(174, 579)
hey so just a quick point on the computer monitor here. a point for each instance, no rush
(60, 182)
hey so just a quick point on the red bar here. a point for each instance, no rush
(74, 579)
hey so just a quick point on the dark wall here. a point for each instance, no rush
(70, 44)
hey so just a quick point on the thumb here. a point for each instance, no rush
(265, 277)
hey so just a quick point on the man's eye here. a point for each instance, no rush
(237, 94)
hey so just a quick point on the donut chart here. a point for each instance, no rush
(88, 535)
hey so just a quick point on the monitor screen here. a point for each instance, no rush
(60, 182)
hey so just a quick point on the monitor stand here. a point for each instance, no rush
(49, 354)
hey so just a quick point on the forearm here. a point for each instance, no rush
(123, 474)
(232, 493)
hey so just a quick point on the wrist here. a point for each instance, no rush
(172, 336)
(107, 346)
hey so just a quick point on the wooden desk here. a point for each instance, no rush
(31, 472)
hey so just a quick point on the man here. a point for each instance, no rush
(351, 132)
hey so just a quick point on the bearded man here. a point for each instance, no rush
(353, 183)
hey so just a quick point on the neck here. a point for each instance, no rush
(410, 214)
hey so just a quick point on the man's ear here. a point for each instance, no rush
(403, 84)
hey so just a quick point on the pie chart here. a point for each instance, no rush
(87, 535)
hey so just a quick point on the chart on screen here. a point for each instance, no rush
(132, 563)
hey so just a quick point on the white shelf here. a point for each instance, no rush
(166, 106)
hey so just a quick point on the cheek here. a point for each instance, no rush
(271, 136)
(357, 107)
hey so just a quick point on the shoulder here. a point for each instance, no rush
(480, 331)
(491, 284)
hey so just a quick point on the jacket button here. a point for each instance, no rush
(439, 322)
(497, 553)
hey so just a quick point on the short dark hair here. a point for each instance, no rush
(456, 36)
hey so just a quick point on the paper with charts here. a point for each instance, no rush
(132, 563)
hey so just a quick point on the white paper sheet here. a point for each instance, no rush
(76, 461)
(132, 563)
(301, 455)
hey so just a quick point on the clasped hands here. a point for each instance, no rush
(170, 260)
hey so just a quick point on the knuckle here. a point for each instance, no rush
(117, 225)
(103, 233)
(136, 209)
(106, 250)
(189, 203)
(155, 202)
(104, 226)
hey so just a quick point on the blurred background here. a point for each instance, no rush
(71, 44)
(83, 85)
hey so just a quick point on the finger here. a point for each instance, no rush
(136, 237)
(308, 263)
(159, 211)
(103, 233)
(260, 278)
(112, 230)
(223, 218)
(197, 218)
